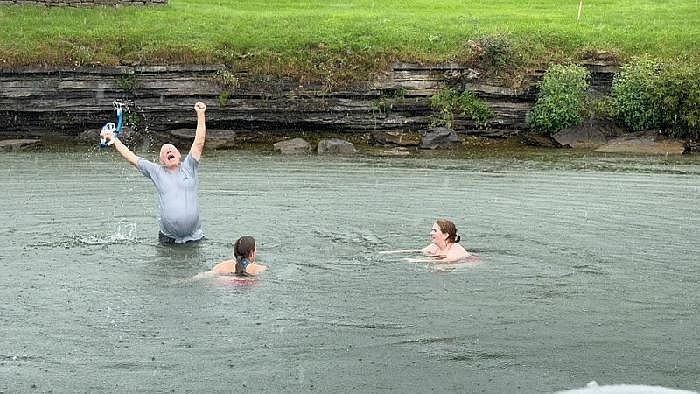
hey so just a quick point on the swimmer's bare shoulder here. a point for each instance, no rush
(255, 268)
(224, 267)
(229, 267)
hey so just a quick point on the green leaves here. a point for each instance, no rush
(651, 94)
(633, 95)
(561, 99)
(448, 102)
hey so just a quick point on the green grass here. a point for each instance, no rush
(332, 37)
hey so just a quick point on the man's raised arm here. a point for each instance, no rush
(201, 133)
(121, 148)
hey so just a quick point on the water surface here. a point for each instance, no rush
(589, 272)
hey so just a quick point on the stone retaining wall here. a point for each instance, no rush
(66, 102)
(84, 3)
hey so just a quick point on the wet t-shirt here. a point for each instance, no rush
(178, 205)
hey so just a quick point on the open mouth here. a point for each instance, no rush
(171, 156)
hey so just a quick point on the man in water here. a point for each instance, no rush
(176, 184)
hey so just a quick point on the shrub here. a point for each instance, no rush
(494, 53)
(650, 94)
(477, 110)
(446, 103)
(600, 108)
(677, 94)
(228, 83)
(227, 80)
(126, 83)
(633, 95)
(449, 102)
(387, 99)
(561, 99)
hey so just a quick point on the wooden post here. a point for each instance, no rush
(580, 8)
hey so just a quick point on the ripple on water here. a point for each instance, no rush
(77, 241)
(472, 356)
(582, 270)
(20, 358)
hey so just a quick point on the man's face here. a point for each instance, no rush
(169, 156)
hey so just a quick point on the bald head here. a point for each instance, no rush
(169, 155)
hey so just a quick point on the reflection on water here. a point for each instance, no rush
(588, 271)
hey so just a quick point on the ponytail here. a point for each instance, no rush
(242, 250)
(240, 268)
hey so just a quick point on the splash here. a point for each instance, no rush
(124, 233)
(594, 388)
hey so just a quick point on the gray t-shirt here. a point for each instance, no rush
(178, 204)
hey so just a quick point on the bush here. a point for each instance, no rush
(477, 110)
(561, 99)
(649, 94)
(494, 53)
(448, 102)
(600, 108)
(678, 98)
(633, 95)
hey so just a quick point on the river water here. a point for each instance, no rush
(589, 271)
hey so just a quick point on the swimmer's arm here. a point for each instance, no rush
(434, 259)
(430, 250)
(457, 254)
(202, 275)
(126, 152)
(121, 148)
(400, 251)
(432, 256)
(201, 133)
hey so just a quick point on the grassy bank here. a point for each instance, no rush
(319, 37)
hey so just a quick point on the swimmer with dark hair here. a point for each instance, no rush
(243, 264)
(444, 244)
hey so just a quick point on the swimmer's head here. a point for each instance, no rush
(243, 249)
(169, 156)
(444, 229)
